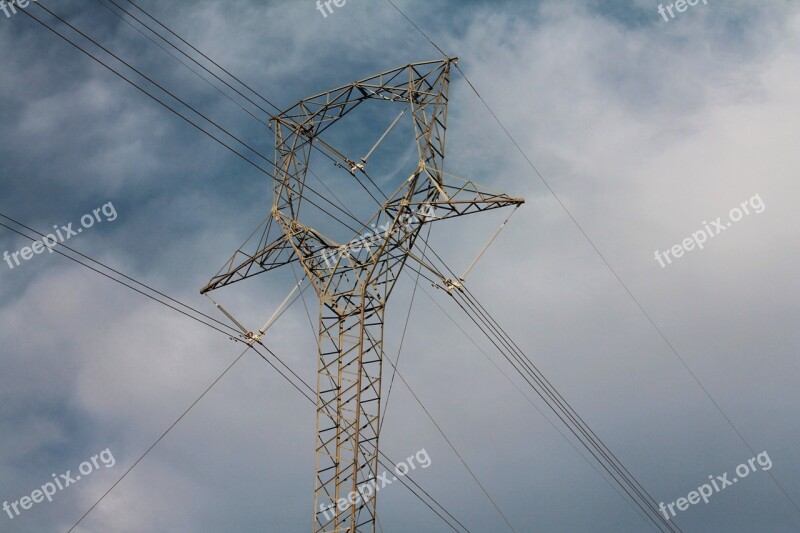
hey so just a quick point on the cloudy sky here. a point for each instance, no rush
(646, 130)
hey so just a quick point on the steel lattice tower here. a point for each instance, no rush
(353, 280)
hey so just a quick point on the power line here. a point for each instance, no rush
(607, 455)
(192, 123)
(179, 60)
(202, 54)
(562, 410)
(613, 271)
(127, 285)
(250, 346)
(528, 399)
(402, 339)
(581, 432)
(591, 448)
(396, 372)
(203, 116)
(149, 79)
(455, 450)
(559, 405)
(243, 84)
(175, 423)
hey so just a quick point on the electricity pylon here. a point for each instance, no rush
(353, 280)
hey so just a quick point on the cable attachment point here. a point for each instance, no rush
(450, 285)
(356, 166)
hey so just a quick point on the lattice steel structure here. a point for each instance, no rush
(353, 280)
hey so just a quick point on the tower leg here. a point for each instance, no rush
(348, 413)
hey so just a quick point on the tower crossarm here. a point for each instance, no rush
(243, 265)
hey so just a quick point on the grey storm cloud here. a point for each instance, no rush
(644, 128)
